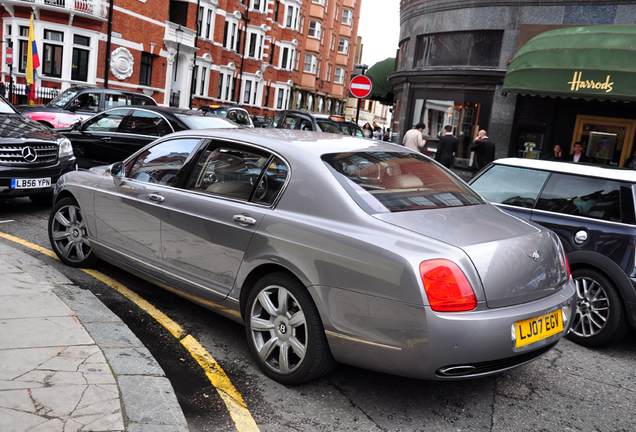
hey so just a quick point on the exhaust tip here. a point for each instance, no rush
(456, 370)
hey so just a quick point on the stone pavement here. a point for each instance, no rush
(67, 363)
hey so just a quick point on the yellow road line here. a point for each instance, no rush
(231, 397)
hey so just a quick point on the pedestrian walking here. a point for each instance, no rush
(484, 151)
(447, 148)
(413, 138)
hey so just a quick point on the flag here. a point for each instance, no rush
(33, 62)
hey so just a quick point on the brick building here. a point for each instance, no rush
(262, 54)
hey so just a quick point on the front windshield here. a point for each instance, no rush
(5, 107)
(63, 98)
(395, 182)
(206, 122)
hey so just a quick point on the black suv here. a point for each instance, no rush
(79, 103)
(591, 208)
(32, 157)
(304, 120)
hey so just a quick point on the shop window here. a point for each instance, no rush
(606, 141)
(471, 48)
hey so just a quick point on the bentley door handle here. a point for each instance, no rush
(244, 219)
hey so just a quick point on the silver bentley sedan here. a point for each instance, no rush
(329, 248)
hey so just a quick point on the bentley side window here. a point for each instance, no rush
(162, 163)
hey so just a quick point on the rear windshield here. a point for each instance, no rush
(395, 182)
(206, 122)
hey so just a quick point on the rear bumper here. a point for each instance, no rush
(414, 341)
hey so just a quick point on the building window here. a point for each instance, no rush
(209, 22)
(310, 63)
(204, 76)
(314, 29)
(145, 69)
(287, 58)
(193, 84)
(343, 46)
(338, 76)
(252, 48)
(259, 5)
(320, 2)
(291, 17)
(53, 53)
(281, 94)
(347, 16)
(79, 68)
(200, 23)
(220, 92)
(276, 7)
(24, 32)
(230, 35)
(471, 48)
(247, 91)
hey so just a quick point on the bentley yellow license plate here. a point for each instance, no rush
(535, 329)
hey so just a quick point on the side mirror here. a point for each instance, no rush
(116, 171)
(75, 105)
(77, 125)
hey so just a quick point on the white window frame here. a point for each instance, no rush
(310, 63)
(347, 19)
(290, 19)
(232, 33)
(291, 53)
(314, 29)
(338, 76)
(261, 8)
(343, 48)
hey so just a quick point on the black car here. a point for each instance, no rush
(117, 133)
(32, 157)
(80, 103)
(592, 209)
(304, 120)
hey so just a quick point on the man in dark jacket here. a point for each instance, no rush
(447, 147)
(578, 155)
(484, 151)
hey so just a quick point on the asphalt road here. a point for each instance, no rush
(570, 389)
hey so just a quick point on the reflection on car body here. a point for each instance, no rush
(329, 248)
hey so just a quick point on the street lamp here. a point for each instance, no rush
(246, 17)
(179, 38)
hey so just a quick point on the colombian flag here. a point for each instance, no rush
(33, 62)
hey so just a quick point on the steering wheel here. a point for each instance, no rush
(261, 189)
(144, 177)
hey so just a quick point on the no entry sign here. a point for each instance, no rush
(360, 86)
(9, 56)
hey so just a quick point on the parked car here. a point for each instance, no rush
(32, 157)
(79, 103)
(328, 248)
(304, 120)
(115, 134)
(235, 113)
(592, 210)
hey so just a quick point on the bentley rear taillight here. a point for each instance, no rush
(446, 286)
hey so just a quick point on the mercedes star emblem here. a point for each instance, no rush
(29, 154)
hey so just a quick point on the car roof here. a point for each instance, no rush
(571, 168)
(296, 143)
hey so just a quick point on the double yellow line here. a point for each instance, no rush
(231, 397)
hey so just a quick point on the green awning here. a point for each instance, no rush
(596, 62)
(379, 74)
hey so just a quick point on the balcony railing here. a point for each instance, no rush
(92, 8)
